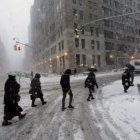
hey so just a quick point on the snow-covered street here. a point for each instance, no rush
(112, 115)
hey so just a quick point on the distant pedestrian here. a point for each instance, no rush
(126, 79)
(75, 71)
(35, 90)
(11, 99)
(90, 82)
(32, 75)
(65, 84)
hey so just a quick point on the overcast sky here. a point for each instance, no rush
(14, 21)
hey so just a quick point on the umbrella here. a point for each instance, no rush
(20, 74)
(131, 67)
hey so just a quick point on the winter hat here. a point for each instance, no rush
(37, 75)
(68, 71)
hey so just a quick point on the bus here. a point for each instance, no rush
(136, 64)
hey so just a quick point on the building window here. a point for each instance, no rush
(108, 34)
(78, 59)
(74, 1)
(62, 44)
(90, 5)
(83, 43)
(97, 32)
(99, 60)
(81, 14)
(92, 30)
(98, 45)
(76, 42)
(80, 2)
(92, 44)
(59, 46)
(90, 16)
(75, 12)
(84, 59)
(109, 46)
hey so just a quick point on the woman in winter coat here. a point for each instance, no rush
(36, 91)
(11, 99)
(90, 82)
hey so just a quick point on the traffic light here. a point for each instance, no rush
(77, 32)
(19, 48)
(15, 47)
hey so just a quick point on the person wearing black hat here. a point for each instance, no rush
(35, 90)
(90, 82)
(11, 99)
(65, 84)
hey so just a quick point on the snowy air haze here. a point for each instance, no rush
(15, 18)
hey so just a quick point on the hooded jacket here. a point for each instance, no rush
(65, 79)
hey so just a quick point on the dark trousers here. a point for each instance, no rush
(64, 97)
(91, 90)
(38, 95)
(126, 85)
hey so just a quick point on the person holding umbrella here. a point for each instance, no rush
(11, 99)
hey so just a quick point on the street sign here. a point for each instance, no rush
(47, 53)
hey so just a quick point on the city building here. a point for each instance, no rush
(70, 34)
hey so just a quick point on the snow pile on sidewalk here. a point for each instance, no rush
(123, 108)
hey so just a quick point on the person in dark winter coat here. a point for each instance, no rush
(65, 84)
(11, 99)
(35, 90)
(126, 79)
(90, 82)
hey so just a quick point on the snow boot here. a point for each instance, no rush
(70, 106)
(43, 103)
(5, 123)
(63, 108)
(34, 105)
(21, 116)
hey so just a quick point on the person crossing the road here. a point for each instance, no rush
(35, 90)
(65, 84)
(11, 99)
(90, 82)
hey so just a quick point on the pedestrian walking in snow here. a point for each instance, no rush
(35, 90)
(65, 84)
(126, 79)
(90, 82)
(11, 99)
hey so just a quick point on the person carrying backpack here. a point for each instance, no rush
(65, 84)
(90, 82)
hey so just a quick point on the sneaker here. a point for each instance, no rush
(63, 108)
(22, 116)
(34, 105)
(5, 123)
(70, 106)
(44, 103)
(88, 99)
(92, 98)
